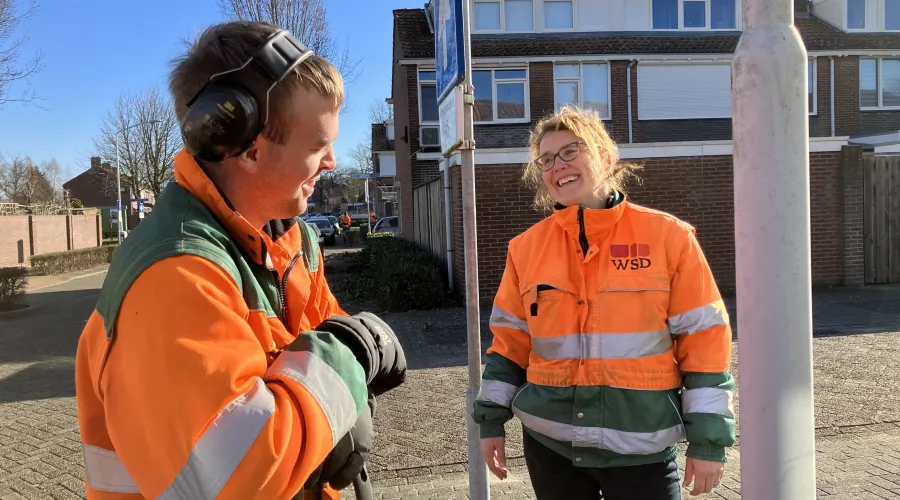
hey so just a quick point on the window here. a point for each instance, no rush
(694, 14)
(892, 15)
(856, 14)
(504, 15)
(879, 83)
(500, 95)
(558, 14)
(428, 106)
(811, 85)
(583, 84)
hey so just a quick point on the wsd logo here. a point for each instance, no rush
(630, 257)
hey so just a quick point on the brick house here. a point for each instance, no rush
(384, 163)
(627, 59)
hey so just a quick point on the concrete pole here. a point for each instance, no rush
(479, 487)
(772, 239)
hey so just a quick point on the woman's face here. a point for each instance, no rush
(569, 176)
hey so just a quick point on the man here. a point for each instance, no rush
(207, 369)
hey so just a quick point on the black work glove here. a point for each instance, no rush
(348, 457)
(375, 347)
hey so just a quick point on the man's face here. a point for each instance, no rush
(287, 173)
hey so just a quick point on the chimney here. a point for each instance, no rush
(95, 162)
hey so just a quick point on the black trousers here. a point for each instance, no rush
(553, 477)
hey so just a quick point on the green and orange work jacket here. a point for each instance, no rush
(611, 340)
(184, 386)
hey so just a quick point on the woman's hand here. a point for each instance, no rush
(494, 452)
(705, 474)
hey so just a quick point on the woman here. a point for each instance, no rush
(611, 341)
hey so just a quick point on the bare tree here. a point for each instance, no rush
(26, 183)
(12, 70)
(147, 130)
(306, 20)
(361, 156)
(380, 111)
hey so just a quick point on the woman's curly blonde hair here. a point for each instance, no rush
(587, 126)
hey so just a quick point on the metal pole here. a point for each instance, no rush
(118, 192)
(479, 487)
(772, 239)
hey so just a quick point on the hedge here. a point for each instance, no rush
(72, 260)
(13, 282)
(404, 276)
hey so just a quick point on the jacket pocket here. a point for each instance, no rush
(551, 307)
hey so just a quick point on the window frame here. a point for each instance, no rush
(580, 81)
(526, 83)
(878, 85)
(502, 28)
(884, 17)
(814, 81)
(557, 30)
(419, 84)
(681, 27)
(865, 16)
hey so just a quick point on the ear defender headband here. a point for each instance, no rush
(232, 108)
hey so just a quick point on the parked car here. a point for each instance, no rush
(334, 222)
(326, 228)
(387, 225)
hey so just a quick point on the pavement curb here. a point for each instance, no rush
(69, 278)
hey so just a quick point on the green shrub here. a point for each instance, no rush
(13, 281)
(73, 260)
(351, 235)
(401, 276)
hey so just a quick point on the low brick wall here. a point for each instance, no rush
(22, 236)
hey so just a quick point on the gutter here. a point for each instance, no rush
(628, 84)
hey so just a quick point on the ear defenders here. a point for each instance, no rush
(232, 108)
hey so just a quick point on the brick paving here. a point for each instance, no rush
(421, 449)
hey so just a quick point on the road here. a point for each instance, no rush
(420, 426)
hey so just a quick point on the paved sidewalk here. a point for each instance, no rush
(36, 283)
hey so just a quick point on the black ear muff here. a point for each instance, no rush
(227, 114)
(220, 123)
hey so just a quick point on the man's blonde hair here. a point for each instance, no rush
(604, 154)
(225, 46)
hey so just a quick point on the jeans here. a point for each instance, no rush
(554, 477)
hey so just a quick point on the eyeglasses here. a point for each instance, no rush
(566, 153)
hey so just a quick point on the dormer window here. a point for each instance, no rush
(856, 14)
(694, 14)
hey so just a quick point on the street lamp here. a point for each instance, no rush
(119, 174)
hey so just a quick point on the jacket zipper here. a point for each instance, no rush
(582, 240)
(282, 289)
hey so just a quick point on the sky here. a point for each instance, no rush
(96, 50)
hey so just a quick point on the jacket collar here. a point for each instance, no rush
(256, 243)
(597, 222)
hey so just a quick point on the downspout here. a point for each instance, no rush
(628, 84)
(447, 233)
(831, 93)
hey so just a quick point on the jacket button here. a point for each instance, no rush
(580, 415)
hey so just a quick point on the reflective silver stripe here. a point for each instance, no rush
(105, 472)
(626, 443)
(602, 345)
(320, 379)
(699, 319)
(223, 445)
(499, 317)
(708, 400)
(496, 391)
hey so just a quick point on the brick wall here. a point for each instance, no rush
(696, 189)
(879, 121)
(24, 236)
(49, 234)
(15, 244)
(400, 94)
(846, 93)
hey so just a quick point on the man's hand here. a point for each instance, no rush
(494, 452)
(705, 474)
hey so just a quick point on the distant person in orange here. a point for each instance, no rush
(373, 218)
(217, 363)
(345, 220)
(611, 341)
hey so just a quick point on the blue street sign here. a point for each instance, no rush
(449, 45)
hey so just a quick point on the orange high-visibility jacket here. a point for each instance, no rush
(183, 385)
(611, 341)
